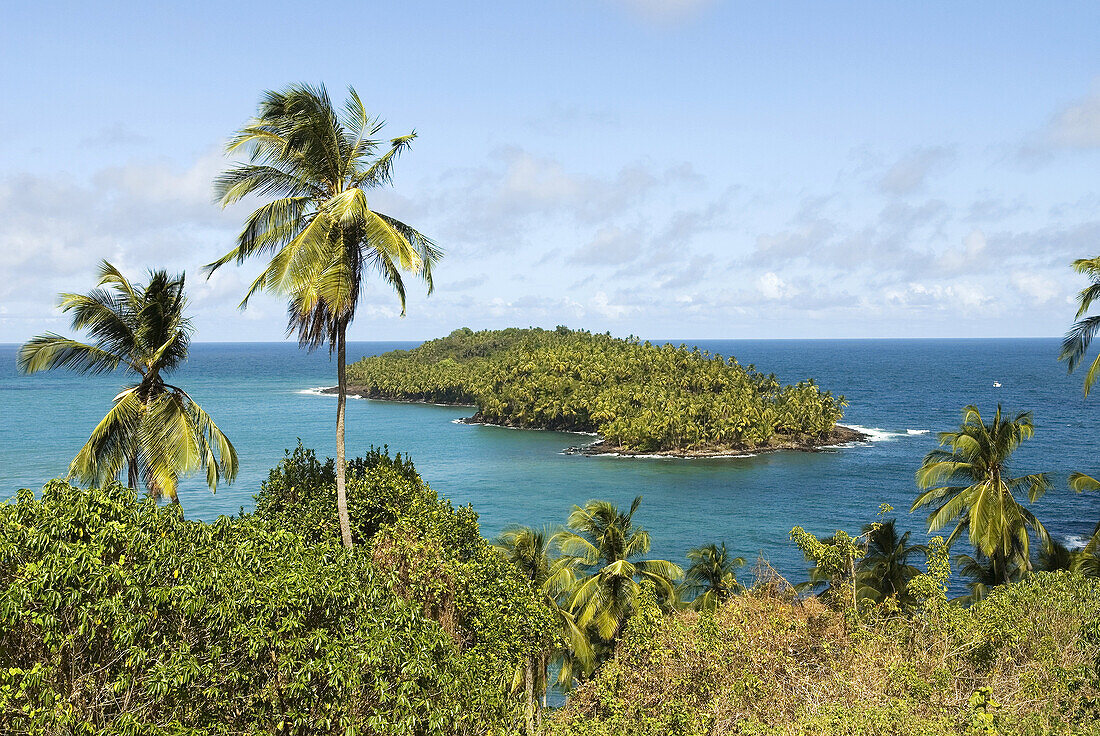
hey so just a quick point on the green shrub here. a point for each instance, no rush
(118, 616)
(1022, 662)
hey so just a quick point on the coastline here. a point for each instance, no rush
(839, 436)
(358, 392)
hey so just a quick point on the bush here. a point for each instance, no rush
(1024, 661)
(118, 616)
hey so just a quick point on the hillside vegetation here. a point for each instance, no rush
(1026, 660)
(117, 616)
(638, 396)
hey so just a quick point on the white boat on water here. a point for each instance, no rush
(996, 384)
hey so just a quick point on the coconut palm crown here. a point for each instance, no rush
(321, 237)
(1076, 342)
(978, 495)
(885, 570)
(155, 431)
(601, 545)
(711, 578)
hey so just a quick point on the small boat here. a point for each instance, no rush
(996, 384)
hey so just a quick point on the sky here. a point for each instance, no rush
(681, 169)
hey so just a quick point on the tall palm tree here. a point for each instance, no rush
(711, 578)
(600, 547)
(884, 571)
(528, 549)
(981, 499)
(155, 431)
(319, 231)
(1076, 343)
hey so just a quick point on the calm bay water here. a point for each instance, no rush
(906, 390)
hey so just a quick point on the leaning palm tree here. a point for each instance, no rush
(884, 571)
(600, 545)
(319, 231)
(980, 498)
(711, 578)
(155, 431)
(1075, 344)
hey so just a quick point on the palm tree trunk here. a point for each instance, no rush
(132, 473)
(529, 677)
(341, 402)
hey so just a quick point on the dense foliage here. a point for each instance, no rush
(638, 396)
(1023, 661)
(117, 616)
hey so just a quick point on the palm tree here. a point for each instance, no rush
(319, 230)
(1055, 557)
(884, 571)
(528, 549)
(1076, 342)
(600, 545)
(1087, 560)
(155, 431)
(986, 573)
(711, 579)
(981, 498)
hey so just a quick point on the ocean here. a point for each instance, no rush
(901, 392)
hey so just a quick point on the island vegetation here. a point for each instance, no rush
(641, 398)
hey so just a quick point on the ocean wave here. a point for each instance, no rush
(319, 391)
(878, 434)
(1075, 541)
(917, 431)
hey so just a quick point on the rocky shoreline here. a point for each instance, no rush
(361, 392)
(840, 435)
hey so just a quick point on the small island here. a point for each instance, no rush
(640, 398)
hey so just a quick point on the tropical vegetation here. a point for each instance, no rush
(711, 576)
(638, 396)
(319, 232)
(155, 432)
(354, 599)
(980, 494)
(119, 617)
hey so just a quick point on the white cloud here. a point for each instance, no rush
(973, 250)
(603, 306)
(910, 173)
(773, 287)
(610, 246)
(1078, 125)
(1040, 288)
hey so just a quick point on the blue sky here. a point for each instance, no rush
(666, 168)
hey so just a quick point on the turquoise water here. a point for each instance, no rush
(905, 389)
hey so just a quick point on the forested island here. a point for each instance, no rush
(639, 397)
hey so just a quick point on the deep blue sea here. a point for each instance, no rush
(903, 390)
